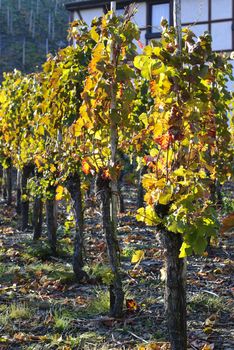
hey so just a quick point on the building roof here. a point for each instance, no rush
(79, 4)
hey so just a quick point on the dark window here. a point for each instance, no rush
(156, 11)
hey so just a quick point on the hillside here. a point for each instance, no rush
(29, 29)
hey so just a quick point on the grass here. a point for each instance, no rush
(63, 317)
(3, 315)
(100, 304)
(100, 272)
(39, 249)
(15, 311)
(54, 271)
(207, 303)
(62, 320)
(8, 272)
(19, 311)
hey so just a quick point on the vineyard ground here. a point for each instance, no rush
(43, 307)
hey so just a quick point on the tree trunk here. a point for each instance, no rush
(9, 184)
(219, 194)
(175, 292)
(121, 198)
(1, 180)
(37, 218)
(18, 192)
(24, 196)
(4, 184)
(74, 187)
(51, 222)
(116, 290)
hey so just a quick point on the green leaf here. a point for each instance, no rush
(199, 244)
(176, 227)
(124, 73)
(144, 64)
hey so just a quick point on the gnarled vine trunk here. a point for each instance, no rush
(37, 218)
(51, 220)
(1, 180)
(4, 182)
(175, 285)
(18, 192)
(26, 171)
(121, 198)
(116, 289)
(175, 290)
(74, 187)
(7, 183)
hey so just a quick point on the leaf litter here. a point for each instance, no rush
(66, 315)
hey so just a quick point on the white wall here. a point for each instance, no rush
(89, 14)
(194, 10)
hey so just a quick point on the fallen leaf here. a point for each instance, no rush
(208, 347)
(227, 223)
(131, 305)
(208, 330)
(137, 256)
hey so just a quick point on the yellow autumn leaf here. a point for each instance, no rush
(7, 137)
(37, 163)
(52, 168)
(181, 171)
(3, 98)
(149, 181)
(158, 129)
(165, 196)
(151, 218)
(148, 215)
(94, 35)
(202, 174)
(164, 83)
(156, 51)
(106, 152)
(138, 255)
(183, 248)
(145, 119)
(59, 193)
(154, 152)
(140, 216)
(41, 130)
